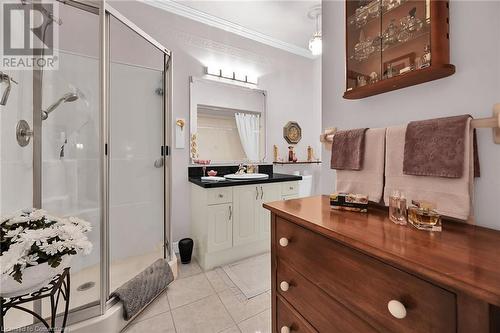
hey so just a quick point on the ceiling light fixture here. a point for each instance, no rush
(316, 42)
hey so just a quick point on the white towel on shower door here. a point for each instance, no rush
(369, 180)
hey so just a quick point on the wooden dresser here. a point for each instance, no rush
(335, 271)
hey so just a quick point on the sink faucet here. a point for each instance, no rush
(241, 169)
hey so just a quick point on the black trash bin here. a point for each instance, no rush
(186, 250)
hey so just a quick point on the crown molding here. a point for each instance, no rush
(199, 16)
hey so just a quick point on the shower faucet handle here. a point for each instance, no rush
(23, 133)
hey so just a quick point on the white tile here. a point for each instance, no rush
(207, 315)
(159, 305)
(188, 290)
(219, 279)
(187, 270)
(260, 323)
(161, 323)
(241, 308)
(233, 329)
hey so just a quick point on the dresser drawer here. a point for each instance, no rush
(323, 312)
(289, 318)
(289, 188)
(220, 195)
(365, 285)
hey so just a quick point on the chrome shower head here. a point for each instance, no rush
(5, 95)
(68, 97)
(7, 79)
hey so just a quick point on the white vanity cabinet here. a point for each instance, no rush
(229, 223)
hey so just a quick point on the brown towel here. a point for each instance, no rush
(348, 148)
(436, 147)
(453, 197)
(370, 180)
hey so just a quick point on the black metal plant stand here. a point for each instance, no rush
(57, 287)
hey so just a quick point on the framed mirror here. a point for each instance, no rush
(227, 123)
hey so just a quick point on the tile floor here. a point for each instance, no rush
(204, 302)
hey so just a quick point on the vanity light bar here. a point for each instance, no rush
(230, 75)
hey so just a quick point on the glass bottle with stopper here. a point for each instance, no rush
(423, 216)
(397, 208)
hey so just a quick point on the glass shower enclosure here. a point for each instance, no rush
(98, 150)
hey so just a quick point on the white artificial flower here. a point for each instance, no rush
(70, 232)
(18, 220)
(51, 249)
(14, 234)
(31, 259)
(86, 226)
(11, 257)
(7, 218)
(37, 215)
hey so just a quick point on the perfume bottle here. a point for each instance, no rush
(426, 57)
(423, 216)
(397, 208)
(291, 154)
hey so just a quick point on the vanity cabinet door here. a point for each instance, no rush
(220, 227)
(246, 201)
(269, 193)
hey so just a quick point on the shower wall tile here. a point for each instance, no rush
(135, 229)
(16, 186)
(135, 180)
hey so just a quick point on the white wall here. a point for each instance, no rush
(291, 82)
(475, 51)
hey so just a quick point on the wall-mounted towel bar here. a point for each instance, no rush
(492, 122)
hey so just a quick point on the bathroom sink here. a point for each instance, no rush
(247, 176)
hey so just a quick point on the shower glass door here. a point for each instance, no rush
(70, 143)
(136, 164)
(16, 162)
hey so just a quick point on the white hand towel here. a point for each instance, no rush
(453, 196)
(369, 180)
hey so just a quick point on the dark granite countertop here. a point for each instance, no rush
(274, 178)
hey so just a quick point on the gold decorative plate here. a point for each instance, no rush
(292, 132)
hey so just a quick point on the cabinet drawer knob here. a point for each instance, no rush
(291, 188)
(283, 241)
(285, 329)
(284, 286)
(397, 309)
(221, 195)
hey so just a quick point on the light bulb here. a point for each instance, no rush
(316, 44)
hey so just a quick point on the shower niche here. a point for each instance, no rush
(393, 44)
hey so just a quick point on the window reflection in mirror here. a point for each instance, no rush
(227, 123)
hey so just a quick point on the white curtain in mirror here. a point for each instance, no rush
(249, 131)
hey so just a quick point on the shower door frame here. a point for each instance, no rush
(104, 30)
(105, 13)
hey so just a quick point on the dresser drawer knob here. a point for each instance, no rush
(283, 241)
(221, 195)
(284, 286)
(285, 329)
(397, 309)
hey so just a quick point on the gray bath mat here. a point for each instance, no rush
(252, 276)
(144, 287)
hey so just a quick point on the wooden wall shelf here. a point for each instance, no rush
(402, 81)
(298, 162)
